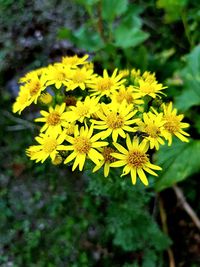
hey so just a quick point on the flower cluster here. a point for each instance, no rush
(113, 120)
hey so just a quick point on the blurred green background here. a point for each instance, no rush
(51, 217)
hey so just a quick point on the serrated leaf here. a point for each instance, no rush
(178, 161)
(191, 77)
(113, 8)
(126, 37)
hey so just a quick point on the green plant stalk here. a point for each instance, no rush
(186, 28)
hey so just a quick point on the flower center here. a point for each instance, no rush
(114, 121)
(82, 144)
(53, 118)
(60, 76)
(124, 95)
(34, 88)
(147, 88)
(50, 145)
(79, 76)
(104, 84)
(152, 130)
(106, 154)
(172, 124)
(137, 159)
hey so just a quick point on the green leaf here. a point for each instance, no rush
(113, 8)
(88, 39)
(178, 161)
(129, 37)
(173, 9)
(191, 77)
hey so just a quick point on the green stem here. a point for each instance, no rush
(186, 28)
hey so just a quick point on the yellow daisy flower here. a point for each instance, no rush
(106, 161)
(54, 120)
(49, 145)
(22, 101)
(115, 120)
(152, 125)
(135, 160)
(74, 61)
(30, 75)
(173, 124)
(149, 77)
(149, 88)
(83, 145)
(29, 93)
(84, 109)
(107, 84)
(56, 75)
(35, 86)
(127, 94)
(79, 77)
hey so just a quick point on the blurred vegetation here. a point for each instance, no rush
(49, 217)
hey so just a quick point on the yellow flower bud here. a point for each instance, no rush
(46, 98)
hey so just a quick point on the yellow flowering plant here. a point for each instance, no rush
(113, 120)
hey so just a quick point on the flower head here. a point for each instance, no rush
(79, 77)
(126, 94)
(150, 88)
(84, 109)
(152, 125)
(49, 145)
(115, 120)
(83, 145)
(107, 84)
(106, 161)
(74, 61)
(54, 120)
(135, 159)
(173, 124)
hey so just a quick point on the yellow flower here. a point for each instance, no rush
(83, 145)
(173, 124)
(74, 60)
(56, 75)
(35, 86)
(127, 94)
(107, 84)
(54, 120)
(84, 109)
(22, 101)
(49, 145)
(115, 120)
(46, 98)
(79, 77)
(149, 88)
(30, 75)
(29, 93)
(125, 72)
(149, 77)
(152, 125)
(106, 161)
(135, 160)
